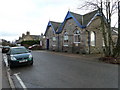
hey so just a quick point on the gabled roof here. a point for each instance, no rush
(77, 18)
(54, 26)
(87, 18)
(82, 21)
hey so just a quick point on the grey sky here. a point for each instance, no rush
(19, 16)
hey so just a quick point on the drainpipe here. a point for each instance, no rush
(82, 19)
(58, 42)
(89, 39)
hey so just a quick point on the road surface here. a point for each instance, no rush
(52, 70)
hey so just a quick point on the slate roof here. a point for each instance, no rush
(54, 25)
(81, 20)
(78, 17)
(87, 17)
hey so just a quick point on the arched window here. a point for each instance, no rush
(77, 36)
(65, 38)
(92, 38)
(103, 42)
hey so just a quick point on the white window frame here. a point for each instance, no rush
(103, 44)
(54, 45)
(94, 41)
(64, 39)
(65, 45)
(77, 36)
(54, 39)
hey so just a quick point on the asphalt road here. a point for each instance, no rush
(59, 71)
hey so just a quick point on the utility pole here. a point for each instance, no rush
(108, 13)
(119, 17)
(118, 41)
(117, 49)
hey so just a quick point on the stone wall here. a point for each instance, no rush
(84, 47)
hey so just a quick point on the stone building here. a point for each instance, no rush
(51, 41)
(27, 37)
(80, 33)
(76, 34)
(30, 37)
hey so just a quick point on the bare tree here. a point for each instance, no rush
(109, 7)
(117, 48)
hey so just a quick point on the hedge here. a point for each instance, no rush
(30, 42)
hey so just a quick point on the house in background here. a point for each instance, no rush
(30, 37)
(27, 37)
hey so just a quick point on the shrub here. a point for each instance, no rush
(29, 43)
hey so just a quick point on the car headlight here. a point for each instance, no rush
(13, 58)
(30, 56)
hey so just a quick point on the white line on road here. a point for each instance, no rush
(21, 82)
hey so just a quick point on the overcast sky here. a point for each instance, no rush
(19, 16)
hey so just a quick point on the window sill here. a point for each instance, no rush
(77, 42)
(65, 45)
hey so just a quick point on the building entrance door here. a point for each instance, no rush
(47, 44)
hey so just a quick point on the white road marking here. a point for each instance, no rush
(20, 81)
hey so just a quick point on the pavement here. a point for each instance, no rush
(3, 74)
(89, 57)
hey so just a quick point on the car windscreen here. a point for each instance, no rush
(18, 50)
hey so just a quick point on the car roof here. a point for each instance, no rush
(18, 47)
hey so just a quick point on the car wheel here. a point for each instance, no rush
(10, 65)
(31, 63)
